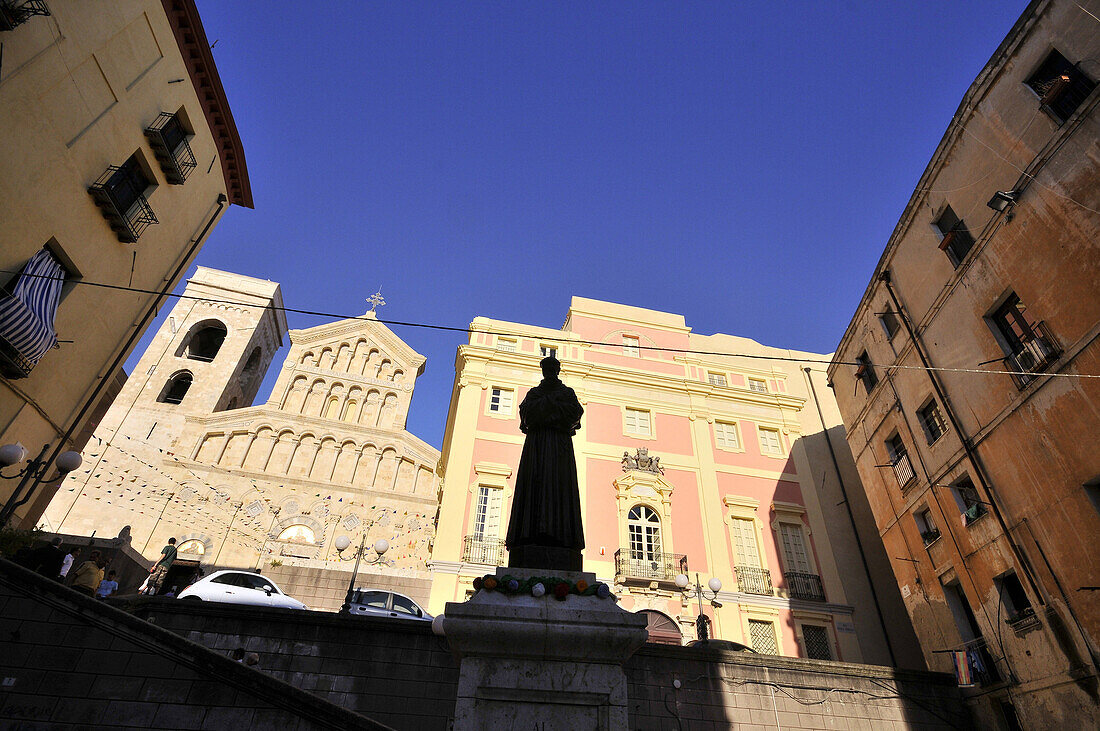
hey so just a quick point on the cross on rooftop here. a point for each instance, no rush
(376, 300)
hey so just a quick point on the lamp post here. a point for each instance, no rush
(715, 584)
(34, 470)
(342, 542)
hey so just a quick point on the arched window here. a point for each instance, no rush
(194, 546)
(203, 341)
(251, 371)
(298, 534)
(176, 388)
(644, 526)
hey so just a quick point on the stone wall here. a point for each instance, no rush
(397, 672)
(71, 662)
(325, 589)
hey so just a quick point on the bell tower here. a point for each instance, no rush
(210, 355)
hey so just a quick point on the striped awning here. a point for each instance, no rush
(27, 315)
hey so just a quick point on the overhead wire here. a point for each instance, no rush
(563, 340)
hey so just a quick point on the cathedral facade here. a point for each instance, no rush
(326, 462)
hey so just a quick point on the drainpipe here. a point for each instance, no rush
(139, 330)
(979, 469)
(852, 520)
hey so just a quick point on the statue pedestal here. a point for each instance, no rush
(541, 663)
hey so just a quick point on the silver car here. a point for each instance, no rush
(380, 603)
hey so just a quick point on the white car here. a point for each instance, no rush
(379, 603)
(240, 587)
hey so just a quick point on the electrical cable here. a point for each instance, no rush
(568, 341)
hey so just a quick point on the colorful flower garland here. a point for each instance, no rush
(537, 586)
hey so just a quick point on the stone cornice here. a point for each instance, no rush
(367, 326)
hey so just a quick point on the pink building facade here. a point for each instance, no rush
(698, 455)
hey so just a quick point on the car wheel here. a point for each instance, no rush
(192, 598)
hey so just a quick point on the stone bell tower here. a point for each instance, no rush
(210, 355)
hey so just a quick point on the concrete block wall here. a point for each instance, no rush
(70, 662)
(325, 589)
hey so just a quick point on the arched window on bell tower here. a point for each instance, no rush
(176, 388)
(203, 341)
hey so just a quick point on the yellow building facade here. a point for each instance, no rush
(120, 157)
(708, 456)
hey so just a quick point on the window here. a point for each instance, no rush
(176, 388)
(401, 605)
(716, 379)
(1017, 605)
(743, 533)
(168, 138)
(637, 422)
(203, 341)
(931, 421)
(487, 513)
(865, 371)
(1060, 85)
(758, 385)
(762, 637)
(899, 460)
(1027, 345)
(506, 344)
(770, 442)
(631, 346)
(644, 528)
(725, 435)
(27, 312)
(966, 496)
(955, 239)
(298, 534)
(500, 400)
(376, 599)
(1092, 492)
(890, 323)
(816, 639)
(194, 546)
(548, 351)
(926, 526)
(794, 548)
(120, 193)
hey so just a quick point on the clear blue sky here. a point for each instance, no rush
(740, 163)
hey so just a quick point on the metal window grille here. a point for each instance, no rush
(508, 346)
(817, 642)
(762, 636)
(932, 422)
(716, 379)
(755, 384)
(168, 139)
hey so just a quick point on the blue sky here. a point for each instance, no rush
(740, 163)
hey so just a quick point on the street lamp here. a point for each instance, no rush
(342, 543)
(34, 470)
(715, 584)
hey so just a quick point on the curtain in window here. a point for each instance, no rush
(27, 315)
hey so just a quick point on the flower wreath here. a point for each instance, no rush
(537, 586)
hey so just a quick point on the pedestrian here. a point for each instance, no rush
(47, 560)
(108, 586)
(171, 593)
(160, 568)
(67, 562)
(88, 575)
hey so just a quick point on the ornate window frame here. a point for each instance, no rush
(638, 487)
(740, 507)
(494, 476)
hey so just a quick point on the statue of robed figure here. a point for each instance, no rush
(544, 530)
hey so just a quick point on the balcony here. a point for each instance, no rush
(753, 580)
(14, 13)
(126, 210)
(929, 536)
(488, 551)
(1033, 355)
(973, 512)
(903, 469)
(804, 586)
(13, 364)
(654, 566)
(983, 668)
(169, 142)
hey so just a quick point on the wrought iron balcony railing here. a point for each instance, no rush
(14, 13)
(753, 580)
(1034, 355)
(646, 565)
(13, 364)
(489, 551)
(903, 469)
(804, 586)
(128, 216)
(169, 142)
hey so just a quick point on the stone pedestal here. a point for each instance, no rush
(541, 663)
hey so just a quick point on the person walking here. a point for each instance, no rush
(160, 568)
(88, 575)
(67, 562)
(108, 586)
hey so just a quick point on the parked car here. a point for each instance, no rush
(240, 587)
(379, 603)
(727, 645)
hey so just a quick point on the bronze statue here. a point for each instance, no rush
(544, 530)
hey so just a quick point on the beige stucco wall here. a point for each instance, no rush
(77, 91)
